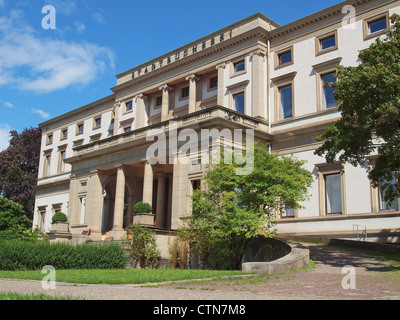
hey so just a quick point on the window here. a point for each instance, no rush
(97, 123)
(213, 83)
(376, 26)
(239, 66)
(62, 161)
(325, 73)
(288, 212)
(328, 92)
(128, 106)
(64, 134)
(184, 92)
(383, 204)
(196, 184)
(331, 185)
(284, 96)
(333, 193)
(49, 139)
(239, 102)
(47, 164)
(326, 43)
(79, 128)
(284, 58)
(286, 102)
(158, 101)
(83, 210)
(41, 217)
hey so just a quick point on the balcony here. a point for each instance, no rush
(212, 117)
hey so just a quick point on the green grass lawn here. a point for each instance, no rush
(120, 276)
(18, 296)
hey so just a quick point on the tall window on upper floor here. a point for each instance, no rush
(286, 102)
(47, 164)
(376, 26)
(239, 102)
(325, 73)
(61, 166)
(284, 97)
(328, 98)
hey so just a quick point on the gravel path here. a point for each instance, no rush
(373, 279)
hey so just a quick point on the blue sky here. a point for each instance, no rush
(45, 73)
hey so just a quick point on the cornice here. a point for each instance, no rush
(327, 13)
(104, 102)
(257, 32)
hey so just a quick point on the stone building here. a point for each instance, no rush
(254, 74)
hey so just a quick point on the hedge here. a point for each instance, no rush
(20, 255)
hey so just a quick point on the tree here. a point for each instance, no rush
(14, 224)
(19, 168)
(231, 209)
(368, 97)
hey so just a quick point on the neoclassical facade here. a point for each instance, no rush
(252, 75)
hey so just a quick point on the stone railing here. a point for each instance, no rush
(212, 113)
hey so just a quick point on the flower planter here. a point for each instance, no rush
(144, 219)
(60, 227)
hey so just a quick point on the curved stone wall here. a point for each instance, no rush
(274, 256)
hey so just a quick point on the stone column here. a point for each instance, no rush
(179, 194)
(221, 84)
(165, 102)
(160, 213)
(94, 204)
(259, 85)
(119, 201)
(73, 203)
(148, 184)
(140, 111)
(192, 92)
(129, 210)
(116, 117)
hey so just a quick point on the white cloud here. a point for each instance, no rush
(98, 17)
(42, 65)
(79, 26)
(9, 105)
(4, 136)
(43, 114)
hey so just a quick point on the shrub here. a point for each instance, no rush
(179, 250)
(60, 217)
(142, 207)
(142, 246)
(19, 255)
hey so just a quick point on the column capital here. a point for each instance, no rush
(120, 167)
(165, 87)
(258, 52)
(192, 77)
(220, 65)
(141, 96)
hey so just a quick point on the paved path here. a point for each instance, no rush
(374, 279)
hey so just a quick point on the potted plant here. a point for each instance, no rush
(60, 222)
(143, 214)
